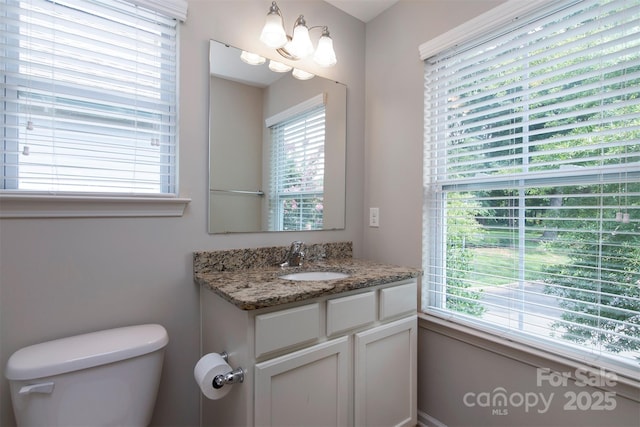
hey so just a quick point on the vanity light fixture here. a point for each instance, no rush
(299, 45)
(324, 55)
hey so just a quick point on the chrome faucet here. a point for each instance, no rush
(295, 255)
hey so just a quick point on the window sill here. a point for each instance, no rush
(82, 206)
(627, 383)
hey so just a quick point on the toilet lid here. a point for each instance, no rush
(85, 351)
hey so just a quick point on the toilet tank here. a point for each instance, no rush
(103, 378)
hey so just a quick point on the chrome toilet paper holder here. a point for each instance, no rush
(231, 377)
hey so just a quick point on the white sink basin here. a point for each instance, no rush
(315, 275)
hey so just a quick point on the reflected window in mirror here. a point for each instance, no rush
(245, 101)
(297, 171)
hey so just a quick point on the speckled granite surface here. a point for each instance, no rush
(244, 259)
(250, 278)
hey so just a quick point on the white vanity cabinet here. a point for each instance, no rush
(341, 360)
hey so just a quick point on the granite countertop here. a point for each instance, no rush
(261, 286)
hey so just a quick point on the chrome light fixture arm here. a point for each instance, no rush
(298, 45)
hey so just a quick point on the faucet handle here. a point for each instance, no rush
(295, 255)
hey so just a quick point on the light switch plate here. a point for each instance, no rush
(374, 217)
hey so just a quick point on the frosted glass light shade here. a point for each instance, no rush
(325, 56)
(279, 67)
(301, 46)
(252, 58)
(301, 75)
(273, 34)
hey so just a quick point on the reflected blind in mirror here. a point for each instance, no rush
(297, 172)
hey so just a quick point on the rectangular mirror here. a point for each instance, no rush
(277, 148)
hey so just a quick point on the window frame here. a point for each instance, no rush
(434, 247)
(16, 203)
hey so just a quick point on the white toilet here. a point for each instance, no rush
(105, 378)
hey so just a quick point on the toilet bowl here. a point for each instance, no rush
(104, 378)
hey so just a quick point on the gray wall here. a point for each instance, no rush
(65, 276)
(451, 364)
(394, 120)
(460, 370)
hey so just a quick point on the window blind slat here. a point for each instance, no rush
(518, 94)
(574, 17)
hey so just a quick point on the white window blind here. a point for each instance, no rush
(297, 171)
(176, 9)
(532, 181)
(89, 97)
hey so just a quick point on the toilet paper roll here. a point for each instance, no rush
(206, 369)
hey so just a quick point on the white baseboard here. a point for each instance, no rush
(426, 420)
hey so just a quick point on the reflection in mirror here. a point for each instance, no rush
(277, 148)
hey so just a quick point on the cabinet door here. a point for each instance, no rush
(305, 388)
(385, 390)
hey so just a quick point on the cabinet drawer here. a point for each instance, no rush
(398, 300)
(350, 312)
(287, 328)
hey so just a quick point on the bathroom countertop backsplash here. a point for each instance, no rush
(250, 278)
